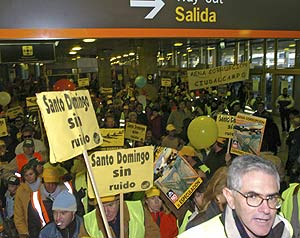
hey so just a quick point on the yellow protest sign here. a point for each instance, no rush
(166, 82)
(31, 102)
(106, 90)
(135, 131)
(205, 78)
(70, 123)
(83, 82)
(3, 127)
(225, 125)
(112, 137)
(247, 134)
(122, 171)
(13, 112)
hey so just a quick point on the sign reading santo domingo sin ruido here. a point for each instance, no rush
(70, 123)
(203, 78)
(225, 125)
(122, 171)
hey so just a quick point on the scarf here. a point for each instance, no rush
(235, 229)
(35, 185)
(48, 195)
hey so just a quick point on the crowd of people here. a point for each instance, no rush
(239, 196)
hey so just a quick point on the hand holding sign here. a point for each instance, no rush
(202, 132)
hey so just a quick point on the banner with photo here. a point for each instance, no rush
(248, 133)
(174, 176)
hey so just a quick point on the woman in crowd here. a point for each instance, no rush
(31, 183)
(213, 201)
(160, 214)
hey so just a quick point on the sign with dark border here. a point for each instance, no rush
(149, 18)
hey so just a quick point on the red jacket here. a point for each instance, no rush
(167, 224)
(22, 160)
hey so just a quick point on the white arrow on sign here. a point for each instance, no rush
(157, 4)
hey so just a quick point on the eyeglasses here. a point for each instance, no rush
(255, 200)
(28, 136)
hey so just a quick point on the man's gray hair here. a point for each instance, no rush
(247, 163)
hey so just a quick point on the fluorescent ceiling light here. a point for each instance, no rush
(76, 48)
(72, 53)
(89, 40)
(131, 54)
(177, 44)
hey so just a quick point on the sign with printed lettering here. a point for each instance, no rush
(166, 82)
(13, 112)
(225, 125)
(136, 132)
(122, 171)
(112, 137)
(204, 78)
(3, 127)
(248, 133)
(174, 176)
(31, 102)
(155, 14)
(83, 82)
(70, 122)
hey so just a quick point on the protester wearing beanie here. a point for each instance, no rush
(66, 223)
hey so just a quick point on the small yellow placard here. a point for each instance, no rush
(166, 82)
(122, 171)
(112, 137)
(83, 82)
(12, 113)
(225, 125)
(31, 102)
(135, 131)
(3, 127)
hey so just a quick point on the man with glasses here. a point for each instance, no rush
(252, 195)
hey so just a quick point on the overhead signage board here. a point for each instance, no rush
(27, 52)
(202, 15)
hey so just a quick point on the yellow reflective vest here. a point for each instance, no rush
(136, 223)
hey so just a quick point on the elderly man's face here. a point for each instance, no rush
(63, 218)
(111, 210)
(257, 221)
(50, 187)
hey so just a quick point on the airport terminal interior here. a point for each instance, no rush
(274, 63)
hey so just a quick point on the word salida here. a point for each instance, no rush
(196, 14)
